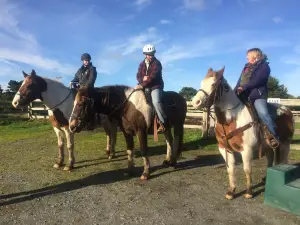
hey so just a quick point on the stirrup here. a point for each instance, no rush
(274, 143)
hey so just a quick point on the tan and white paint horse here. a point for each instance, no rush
(58, 99)
(236, 130)
(129, 107)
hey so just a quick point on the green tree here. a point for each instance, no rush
(188, 93)
(277, 90)
(13, 86)
(1, 90)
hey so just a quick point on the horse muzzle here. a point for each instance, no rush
(74, 126)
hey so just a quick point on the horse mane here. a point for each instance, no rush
(54, 81)
(112, 88)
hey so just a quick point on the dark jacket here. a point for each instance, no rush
(86, 76)
(154, 73)
(257, 86)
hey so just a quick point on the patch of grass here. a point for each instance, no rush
(24, 129)
(297, 125)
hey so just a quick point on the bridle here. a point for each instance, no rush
(215, 95)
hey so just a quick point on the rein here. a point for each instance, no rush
(61, 101)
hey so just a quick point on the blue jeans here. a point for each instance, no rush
(156, 95)
(263, 113)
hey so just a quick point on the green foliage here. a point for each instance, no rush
(277, 90)
(188, 93)
(13, 86)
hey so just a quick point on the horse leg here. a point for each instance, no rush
(178, 139)
(60, 143)
(142, 136)
(270, 160)
(169, 140)
(130, 152)
(113, 134)
(284, 151)
(107, 129)
(231, 172)
(247, 158)
(70, 146)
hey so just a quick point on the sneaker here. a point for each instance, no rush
(161, 128)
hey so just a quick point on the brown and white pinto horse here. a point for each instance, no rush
(236, 130)
(58, 99)
(134, 114)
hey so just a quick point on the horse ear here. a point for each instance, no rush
(25, 74)
(33, 73)
(210, 70)
(220, 72)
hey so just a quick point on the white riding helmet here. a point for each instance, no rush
(149, 49)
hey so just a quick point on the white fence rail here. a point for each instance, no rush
(204, 122)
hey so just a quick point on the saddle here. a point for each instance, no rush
(261, 127)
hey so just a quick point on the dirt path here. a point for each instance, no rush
(193, 194)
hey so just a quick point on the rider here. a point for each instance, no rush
(150, 76)
(252, 84)
(86, 74)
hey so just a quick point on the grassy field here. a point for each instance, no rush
(32, 146)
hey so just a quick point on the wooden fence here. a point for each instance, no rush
(195, 118)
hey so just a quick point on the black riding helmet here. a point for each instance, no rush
(86, 56)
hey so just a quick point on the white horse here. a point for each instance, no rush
(236, 130)
(59, 100)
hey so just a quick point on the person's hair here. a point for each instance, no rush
(256, 53)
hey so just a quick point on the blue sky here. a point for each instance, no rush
(190, 36)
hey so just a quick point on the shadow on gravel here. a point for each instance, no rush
(107, 177)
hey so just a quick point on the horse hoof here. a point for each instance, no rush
(263, 180)
(144, 176)
(229, 196)
(111, 156)
(248, 196)
(56, 166)
(166, 162)
(68, 168)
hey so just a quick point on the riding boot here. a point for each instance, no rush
(272, 140)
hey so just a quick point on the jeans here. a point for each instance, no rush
(262, 111)
(156, 95)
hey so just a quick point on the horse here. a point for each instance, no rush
(58, 99)
(135, 117)
(236, 131)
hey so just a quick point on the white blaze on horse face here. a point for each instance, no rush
(17, 97)
(199, 98)
(71, 116)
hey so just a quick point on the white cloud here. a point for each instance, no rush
(198, 5)
(294, 60)
(277, 20)
(165, 21)
(18, 45)
(136, 42)
(217, 45)
(141, 4)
